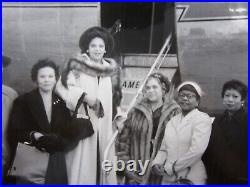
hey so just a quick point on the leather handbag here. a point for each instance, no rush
(81, 126)
(181, 180)
(30, 164)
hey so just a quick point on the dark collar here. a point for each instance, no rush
(236, 116)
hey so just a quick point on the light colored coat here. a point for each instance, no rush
(82, 161)
(8, 96)
(185, 140)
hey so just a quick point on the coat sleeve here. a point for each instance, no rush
(162, 153)
(71, 94)
(200, 138)
(19, 129)
(124, 140)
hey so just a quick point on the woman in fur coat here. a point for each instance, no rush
(89, 73)
(143, 130)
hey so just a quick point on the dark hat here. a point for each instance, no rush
(5, 61)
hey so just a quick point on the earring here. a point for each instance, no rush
(87, 51)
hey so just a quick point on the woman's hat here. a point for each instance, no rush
(5, 61)
(191, 86)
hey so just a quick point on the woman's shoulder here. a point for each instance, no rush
(202, 116)
(57, 99)
(25, 96)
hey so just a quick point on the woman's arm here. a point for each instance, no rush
(161, 156)
(123, 143)
(20, 128)
(200, 138)
(72, 93)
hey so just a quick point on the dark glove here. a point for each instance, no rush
(99, 109)
(49, 142)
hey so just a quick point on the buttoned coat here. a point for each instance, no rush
(185, 140)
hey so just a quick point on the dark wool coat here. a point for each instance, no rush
(226, 155)
(29, 115)
(134, 142)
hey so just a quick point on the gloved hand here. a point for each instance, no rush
(49, 142)
(158, 170)
(98, 108)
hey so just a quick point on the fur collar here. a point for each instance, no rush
(144, 105)
(108, 67)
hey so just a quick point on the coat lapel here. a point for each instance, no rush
(37, 109)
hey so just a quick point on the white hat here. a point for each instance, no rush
(193, 84)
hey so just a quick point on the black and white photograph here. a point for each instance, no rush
(125, 93)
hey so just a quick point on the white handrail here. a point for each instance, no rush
(166, 44)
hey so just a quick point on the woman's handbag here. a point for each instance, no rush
(181, 180)
(30, 164)
(81, 127)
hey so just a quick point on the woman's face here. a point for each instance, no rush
(96, 49)
(153, 90)
(232, 100)
(187, 100)
(46, 79)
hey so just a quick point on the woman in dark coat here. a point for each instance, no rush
(226, 155)
(40, 117)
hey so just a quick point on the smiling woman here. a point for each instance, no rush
(89, 73)
(185, 140)
(141, 137)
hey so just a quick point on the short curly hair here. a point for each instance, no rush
(41, 64)
(94, 32)
(235, 85)
(163, 80)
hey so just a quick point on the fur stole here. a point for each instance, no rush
(108, 67)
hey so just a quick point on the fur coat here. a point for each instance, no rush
(134, 142)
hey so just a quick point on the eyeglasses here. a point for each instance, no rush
(188, 96)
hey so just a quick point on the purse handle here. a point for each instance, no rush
(176, 174)
(79, 102)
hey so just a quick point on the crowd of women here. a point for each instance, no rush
(164, 127)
